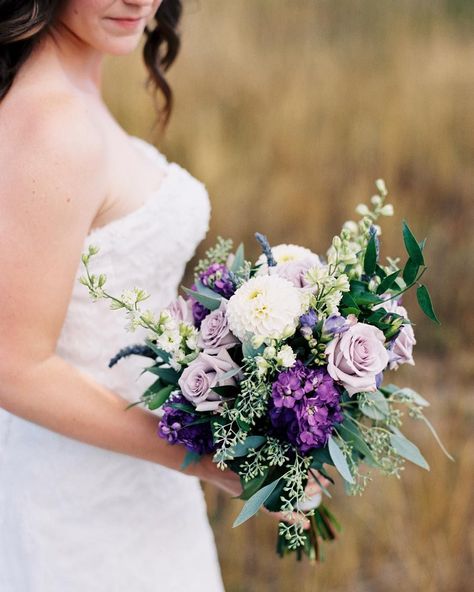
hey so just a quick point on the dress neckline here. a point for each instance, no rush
(156, 155)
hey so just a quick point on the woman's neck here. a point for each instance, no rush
(80, 63)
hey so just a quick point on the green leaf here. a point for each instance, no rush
(339, 460)
(412, 246)
(253, 505)
(229, 374)
(377, 408)
(424, 300)
(370, 257)
(367, 298)
(206, 291)
(225, 391)
(210, 302)
(320, 457)
(250, 442)
(380, 271)
(388, 282)
(167, 375)
(411, 395)
(352, 435)
(348, 301)
(165, 356)
(410, 271)
(249, 488)
(190, 458)
(406, 449)
(238, 261)
(160, 397)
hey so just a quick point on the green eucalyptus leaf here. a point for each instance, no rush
(370, 257)
(339, 460)
(206, 291)
(376, 407)
(406, 449)
(320, 456)
(239, 259)
(353, 436)
(250, 442)
(412, 246)
(249, 488)
(210, 302)
(424, 300)
(253, 505)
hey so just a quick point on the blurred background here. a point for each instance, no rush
(288, 110)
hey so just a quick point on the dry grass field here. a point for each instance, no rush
(288, 110)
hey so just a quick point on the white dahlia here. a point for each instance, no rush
(265, 308)
(289, 253)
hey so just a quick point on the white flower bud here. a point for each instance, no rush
(380, 184)
(269, 352)
(286, 357)
(387, 210)
(362, 210)
(376, 200)
(336, 242)
(262, 365)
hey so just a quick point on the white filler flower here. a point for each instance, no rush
(265, 308)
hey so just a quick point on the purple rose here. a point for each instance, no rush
(202, 375)
(356, 356)
(215, 333)
(295, 271)
(182, 310)
(401, 348)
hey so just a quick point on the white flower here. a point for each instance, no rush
(262, 366)
(266, 308)
(286, 357)
(288, 254)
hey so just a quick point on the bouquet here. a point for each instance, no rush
(276, 368)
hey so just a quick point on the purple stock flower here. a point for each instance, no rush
(217, 277)
(176, 429)
(305, 406)
(336, 324)
(309, 319)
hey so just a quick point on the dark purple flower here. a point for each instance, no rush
(305, 406)
(217, 277)
(175, 427)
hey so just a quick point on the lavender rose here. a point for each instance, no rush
(202, 375)
(401, 348)
(182, 310)
(215, 333)
(295, 271)
(356, 356)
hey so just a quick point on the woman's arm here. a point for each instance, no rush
(54, 179)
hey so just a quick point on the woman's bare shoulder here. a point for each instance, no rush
(48, 138)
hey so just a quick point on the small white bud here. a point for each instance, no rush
(362, 210)
(387, 210)
(380, 184)
(376, 200)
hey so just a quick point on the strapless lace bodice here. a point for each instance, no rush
(77, 518)
(147, 248)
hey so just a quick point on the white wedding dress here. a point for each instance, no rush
(74, 517)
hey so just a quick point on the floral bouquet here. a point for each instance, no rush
(277, 368)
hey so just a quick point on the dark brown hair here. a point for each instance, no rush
(23, 23)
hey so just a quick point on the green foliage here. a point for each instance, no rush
(253, 505)
(424, 300)
(339, 460)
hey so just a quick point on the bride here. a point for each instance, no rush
(90, 498)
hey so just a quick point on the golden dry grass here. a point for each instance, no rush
(288, 110)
